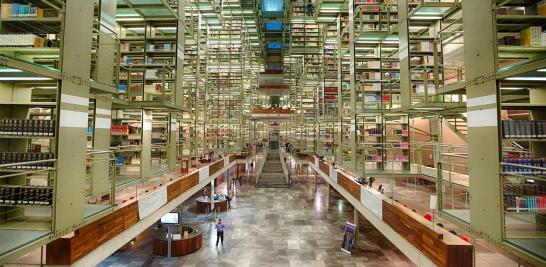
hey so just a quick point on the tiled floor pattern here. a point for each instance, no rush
(275, 227)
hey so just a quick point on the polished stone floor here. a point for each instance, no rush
(274, 227)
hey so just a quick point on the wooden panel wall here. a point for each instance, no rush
(324, 168)
(216, 167)
(348, 184)
(232, 158)
(177, 188)
(65, 251)
(427, 240)
(450, 253)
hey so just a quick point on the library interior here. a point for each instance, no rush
(273, 133)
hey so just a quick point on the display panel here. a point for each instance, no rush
(170, 218)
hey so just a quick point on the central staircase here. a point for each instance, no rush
(272, 175)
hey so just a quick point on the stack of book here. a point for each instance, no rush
(533, 129)
(531, 36)
(27, 127)
(26, 195)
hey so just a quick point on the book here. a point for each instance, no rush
(531, 36)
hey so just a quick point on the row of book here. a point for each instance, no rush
(400, 144)
(26, 41)
(401, 132)
(539, 9)
(119, 129)
(15, 10)
(532, 129)
(27, 127)
(525, 189)
(534, 162)
(374, 131)
(26, 195)
(525, 203)
(18, 157)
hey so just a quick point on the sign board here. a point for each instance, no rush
(348, 237)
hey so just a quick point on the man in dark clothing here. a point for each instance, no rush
(219, 231)
(309, 8)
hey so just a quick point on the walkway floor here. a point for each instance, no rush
(275, 227)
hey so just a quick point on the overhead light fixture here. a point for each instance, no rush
(24, 79)
(526, 79)
(135, 28)
(10, 70)
(166, 28)
(46, 87)
(129, 19)
(430, 108)
(541, 70)
(512, 88)
(425, 17)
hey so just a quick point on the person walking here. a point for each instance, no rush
(220, 231)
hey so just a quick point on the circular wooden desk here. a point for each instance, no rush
(179, 247)
(203, 204)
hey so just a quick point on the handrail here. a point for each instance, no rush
(457, 155)
(285, 169)
(260, 168)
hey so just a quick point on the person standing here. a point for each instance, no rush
(309, 8)
(205, 192)
(220, 231)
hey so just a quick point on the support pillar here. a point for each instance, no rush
(172, 146)
(352, 86)
(316, 181)
(212, 194)
(180, 42)
(101, 141)
(327, 194)
(103, 103)
(483, 116)
(146, 145)
(403, 55)
(356, 221)
(72, 114)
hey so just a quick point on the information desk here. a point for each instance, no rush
(204, 204)
(180, 246)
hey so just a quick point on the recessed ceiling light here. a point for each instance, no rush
(526, 79)
(425, 17)
(24, 78)
(10, 70)
(129, 19)
(431, 108)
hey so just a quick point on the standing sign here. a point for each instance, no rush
(348, 237)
